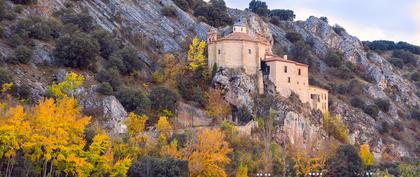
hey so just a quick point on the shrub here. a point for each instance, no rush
(5, 77)
(325, 19)
(169, 11)
(183, 4)
(372, 110)
(108, 44)
(397, 62)
(259, 7)
(415, 114)
(163, 99)
(407, 57)
(105, 88)
(275, 20)
(198, 96)
(345, 162)
(334, 58)
(357, 102)
(78, 50)
(383, 127)
(111, 76)
(23, 54)
(283, 14)
(215, 13)
(335, 127)
(294, 37)
(37, 28)
(338, 29)
(81, 20)
(126, 61)
(18, 9)
(134, 100)
(21, 91)
(243, 115)
(25, 2)
(382, 104)
(415, 76)
(149, 166)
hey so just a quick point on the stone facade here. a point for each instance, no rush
(241, 50)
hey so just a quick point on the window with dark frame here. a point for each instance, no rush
(285, 69)
(218, 51)
(288, 79)
(249, 51)
(299, 72)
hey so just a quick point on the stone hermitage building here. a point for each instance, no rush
(241, 50)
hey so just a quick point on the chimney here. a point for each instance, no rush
(285, 57)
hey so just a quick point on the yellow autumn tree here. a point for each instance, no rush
(366, 156)
(196, 57)
(100, 155)
(171, 150)
(217, 107)
(242, 170)
(68, 86)
(121, 167)
(164, 129)
(57, 138)
(136, 139)
(208, 156)
(171, 69)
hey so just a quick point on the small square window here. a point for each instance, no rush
(249, 51)
(299, 72)
(288, 79)
(218, 51)
(285, 69)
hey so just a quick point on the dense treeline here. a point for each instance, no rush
(382, 45)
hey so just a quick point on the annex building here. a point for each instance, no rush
(241, 50)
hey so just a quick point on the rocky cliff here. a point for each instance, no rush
(136, 21)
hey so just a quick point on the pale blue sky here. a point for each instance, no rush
(397, 20)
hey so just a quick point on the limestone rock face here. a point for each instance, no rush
(115, 115)
(238, 87)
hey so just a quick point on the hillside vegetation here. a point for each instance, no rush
(122, 88)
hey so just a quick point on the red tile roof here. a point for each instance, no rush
(241, 37)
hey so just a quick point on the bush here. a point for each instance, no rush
(126, 61)
(275, 20)
(81, 20)
(5, 77)
(21, 91)
(345, 162)
(78, 50)
(382, 104)
(383, 127)
(149, 166)
(37, 28)
(169, 11)
(215, 13)
(183, 4)
(372, 110)
(338, 29)
(415, 114)
(23, 54)
(334, 58)
(111, 76)
(335, 127)
(25, 2)
(259, 7)
(325, 19)
(243, 115)
(358, 102)
(407, 57)
(163, 99)
(105, 88)
(415, 76)
(283, 14)
(108, 44)
(382, 45)
(397, 62)
(18, 9)
(294, 37)
(134, 100)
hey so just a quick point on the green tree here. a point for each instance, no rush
(283, 14)
(67, 88)
(78, 50)
(126, 60)
(134, 100)
(148, 166)
(23, 54)
(163, 99)
(346, 162)
(259, 7)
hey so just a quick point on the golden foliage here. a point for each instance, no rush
(121, 167)
(171, 69)
(6, 87)
(217, 107)
(196, 57)
(68, 86)
(164, 129)
(335, 127)
(242, 171)
(171, 150)
(209, 154)
(366, 156)
(137, 140)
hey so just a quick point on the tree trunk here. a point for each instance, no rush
(44, 169)
(7, 167)
(51, 170)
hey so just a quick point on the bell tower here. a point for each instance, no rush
(239, 27)
(212, 35)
